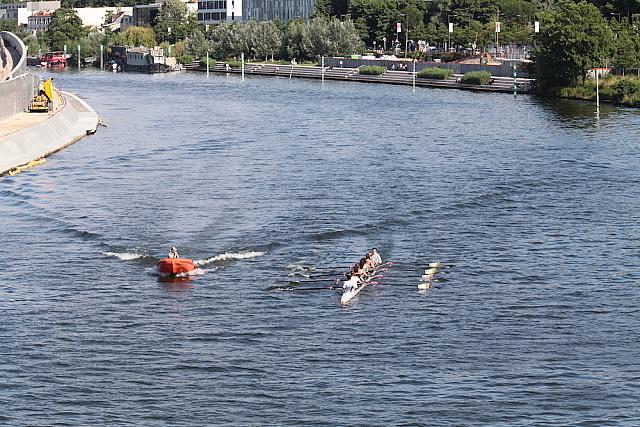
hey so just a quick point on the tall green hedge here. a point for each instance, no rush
(476, 78)
(435, 73)
(372, 70)
(203, 62)
(235, 64)
(626, 91)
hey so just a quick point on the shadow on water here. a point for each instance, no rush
(577, 114)
(175, 284)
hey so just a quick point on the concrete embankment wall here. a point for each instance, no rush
(70, 123)
(18, 90)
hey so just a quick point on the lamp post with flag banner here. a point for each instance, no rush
(497, 30)
(450, 30)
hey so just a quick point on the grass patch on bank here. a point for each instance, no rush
(234, 64)
(435, 73)
(476, 78)
(203, 62)
(616, 89)
(372, 70)
(185, 59)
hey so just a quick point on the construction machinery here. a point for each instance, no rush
(43, 101)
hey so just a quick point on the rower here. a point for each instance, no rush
(357, 271)
(365, 266)
(352, 282)
(375, 257)
(173, 253)
(369, 261)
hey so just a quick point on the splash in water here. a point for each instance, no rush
(125, 256)
(229, 256)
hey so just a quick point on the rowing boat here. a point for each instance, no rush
(349, 294)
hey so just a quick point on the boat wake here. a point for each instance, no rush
(295, 267)
(196, 272)
(153, 271)
(230, 256)
(125, 256)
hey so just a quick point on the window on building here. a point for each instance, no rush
(209, 5)
(223, 16)
(200, 16)
(207, 16)
(233, 15)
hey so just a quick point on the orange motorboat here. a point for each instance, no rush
(175, 266)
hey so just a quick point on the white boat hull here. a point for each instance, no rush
(350, 294)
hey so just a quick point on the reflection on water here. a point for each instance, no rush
(534, 204)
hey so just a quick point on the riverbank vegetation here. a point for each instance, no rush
(476, 78)
(574, 37)
(297, 39)
(436, 73)
(371, 70)
(615, 89)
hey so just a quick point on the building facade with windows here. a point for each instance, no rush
(216, 11)
(39, 21)
(283, 10)
(21, 11)
(144, 15)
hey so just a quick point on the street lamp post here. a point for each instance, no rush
(406, 41)
(384, 41)
(450, 30)
(406, 30)
(497, 30)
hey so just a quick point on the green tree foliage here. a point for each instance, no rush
(324, 8)
(268, 39)
(626, 53)
(65, 28)
(343, 38)
(300, 40)
(223, 38)
(137, 36)
(574, 38)
(315, 36)
(374, 19)
(197, 44)
(12, 26)
(90, 44)
(293, 39)
(174, 22)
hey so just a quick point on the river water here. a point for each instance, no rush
(532, 207)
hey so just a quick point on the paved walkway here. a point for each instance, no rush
(24, 120)
(500, 84)
(21, 121)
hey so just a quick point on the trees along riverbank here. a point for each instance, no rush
(576, 38)
(298, 39)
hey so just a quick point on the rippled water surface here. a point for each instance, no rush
(532, 207)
